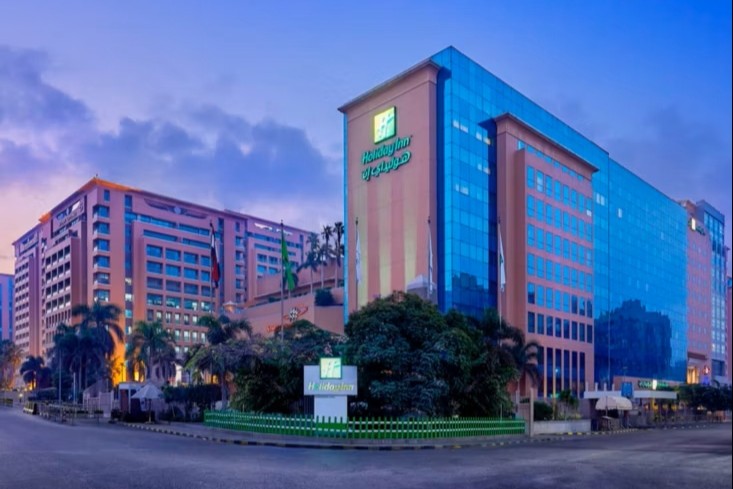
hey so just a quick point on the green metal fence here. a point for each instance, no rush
(363, 428)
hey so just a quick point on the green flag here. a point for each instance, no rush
(287, 272)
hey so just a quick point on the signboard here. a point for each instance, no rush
(385, 125)
(316, 385)
(653, 384)
(627, 390)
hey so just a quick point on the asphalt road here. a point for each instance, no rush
(37, 454)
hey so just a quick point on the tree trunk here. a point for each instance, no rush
(311, 281)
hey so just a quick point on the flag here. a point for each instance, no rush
(287, 272)
(502, 269)
(215, 270)
(430, 261)
(357, 255)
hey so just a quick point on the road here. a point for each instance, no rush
(37, 454)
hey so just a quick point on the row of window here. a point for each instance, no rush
(175, 271)
(559, 273)
(560, 328)
(175, 303)
(560, 370)
(559, 301)
(173, 318)
(553, 216)
(554, 244)
(175, 255)
(544, 184)
(156, 283)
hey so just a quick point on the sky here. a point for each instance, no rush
(234, 104)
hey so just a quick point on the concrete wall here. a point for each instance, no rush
(557, 427)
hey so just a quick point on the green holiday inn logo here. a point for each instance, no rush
(385, 125)
(330, 368)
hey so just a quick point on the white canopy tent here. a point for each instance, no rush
(613, 402)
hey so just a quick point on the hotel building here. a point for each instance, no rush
(6, 307)
(144, 252)
(445, 157)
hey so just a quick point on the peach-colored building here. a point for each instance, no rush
(699, 300)
(147, 253)
(408, 230)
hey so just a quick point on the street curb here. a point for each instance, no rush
(394, 447)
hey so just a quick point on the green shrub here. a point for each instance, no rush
(542, 411)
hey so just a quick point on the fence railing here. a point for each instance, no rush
(363, 428)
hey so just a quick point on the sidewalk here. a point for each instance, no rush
(201, 432)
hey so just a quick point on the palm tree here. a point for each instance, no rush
(327, 233)
(10, 357)
(311, 258)
(151, 347)
(99, 333)
(222, 353)
(30, 369)
(338, 228)
(525, 356)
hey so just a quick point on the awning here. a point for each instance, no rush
(149, 391)
(613, 402)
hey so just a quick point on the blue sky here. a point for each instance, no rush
(233, 104)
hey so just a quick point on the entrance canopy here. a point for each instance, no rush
(613, 402)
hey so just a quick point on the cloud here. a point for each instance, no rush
(683, 158)
(50, 145)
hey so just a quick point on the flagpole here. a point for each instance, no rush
(357, 255)
(430, 262)
(282, 290)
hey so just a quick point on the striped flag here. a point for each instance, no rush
(215, 269)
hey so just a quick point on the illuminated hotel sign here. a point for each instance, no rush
(329, 378)
(385, 125)
(389, 156)
(653, 384)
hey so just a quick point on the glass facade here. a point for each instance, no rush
(640, 247)
(646, 282)
(469, 98)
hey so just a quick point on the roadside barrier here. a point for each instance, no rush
(376, 428)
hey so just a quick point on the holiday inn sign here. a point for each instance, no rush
(392, 154)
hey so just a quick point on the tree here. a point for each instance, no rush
(10, 357)
(35, 373)
(272, 380)
(224, 353)
(395, 343)
(327, 233)
(312, 258)
(151, 347)
(99, 333)
(338, 229)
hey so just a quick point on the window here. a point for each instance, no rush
(128, 201)
(530, 322)
(205, 276)
(558, 273)
(154, 251)
(530, 264)
(191, 258)
(558, 327)
(173, 255)
(190, 305)
(581, 331)
(558, 245)
(206, 291)
(530, 206)
(575, 330)
(548, 214)
(173, 270)
(548, 295)
(558, 218)
(191, 289)
(574, 305)
(549, 325)
(566, 248)
(540, 295)
(190, 273)
(155, 300)
(101, 228)
(540, 267)
(548, 241)
(100, 211)
(540, 324)
(530, 235)
(530, 293)
(558, 191)
(155, 283)
(540, 239)
(154, 267)
(172, 286)
(540, 182)
(101, 245)
(101, 261)
(565, 302)
(566, 329)
(173, 302)
(101, 278)
(540, 210)
(589, 336)
(548, 185)
(205, 261)
(101, 295)
(106, 195)
(530, 177)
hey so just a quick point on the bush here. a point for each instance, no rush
(324, 298)
(542, 411)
